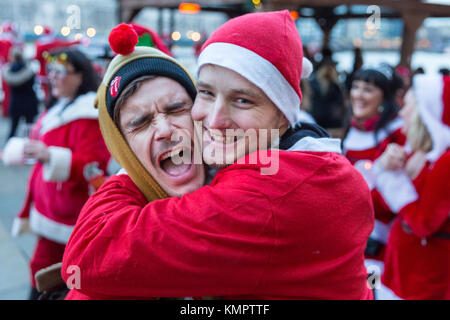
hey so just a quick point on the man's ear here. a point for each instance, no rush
(283, 123)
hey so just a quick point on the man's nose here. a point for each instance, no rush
(219, 117)
(164, 128)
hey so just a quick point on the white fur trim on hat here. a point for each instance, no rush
(257, 70)
(428, 91)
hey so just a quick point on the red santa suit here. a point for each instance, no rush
(360, 146)
(417, 261)
(58, 189)
(246, 236)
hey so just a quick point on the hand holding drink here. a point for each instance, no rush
(22, 151)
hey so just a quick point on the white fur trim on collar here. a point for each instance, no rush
(317, 145)
(306, 117)
(19, 77)
(81, 108)
(358, 140)
(396, 187)
(257, 70)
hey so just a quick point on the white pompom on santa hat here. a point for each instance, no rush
(432, 94)
(266, 49)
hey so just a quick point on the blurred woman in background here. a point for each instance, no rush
(415, 183)
(374, 124)
(69, 151)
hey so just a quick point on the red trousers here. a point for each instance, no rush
(45, 254)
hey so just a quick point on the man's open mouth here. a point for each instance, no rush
(177, 162)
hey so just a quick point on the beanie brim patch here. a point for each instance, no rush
(146, 66)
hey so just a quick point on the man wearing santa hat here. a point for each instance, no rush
(297, 232)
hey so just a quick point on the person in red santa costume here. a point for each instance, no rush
(415, 183)
(66, 142)
(44, 45)
(9, 38)
(373, 125)
(293, 227)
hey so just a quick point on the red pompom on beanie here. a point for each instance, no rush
(123, 39)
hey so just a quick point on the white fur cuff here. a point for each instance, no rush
(20, 226)
(58, 168)
(395, 187)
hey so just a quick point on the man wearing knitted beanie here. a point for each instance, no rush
(296, 232)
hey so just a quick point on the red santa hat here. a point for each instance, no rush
(266, 49)
(432, 93)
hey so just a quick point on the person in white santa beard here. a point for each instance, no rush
(415, 182)
(70, 155)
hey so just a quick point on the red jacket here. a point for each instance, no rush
(58, 190)
(297, 234)
(361, 146)
(417, 263)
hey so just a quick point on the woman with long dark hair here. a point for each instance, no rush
(374, 123)
(69, 151)
(374, 113)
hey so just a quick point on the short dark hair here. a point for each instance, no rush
(127, 92)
